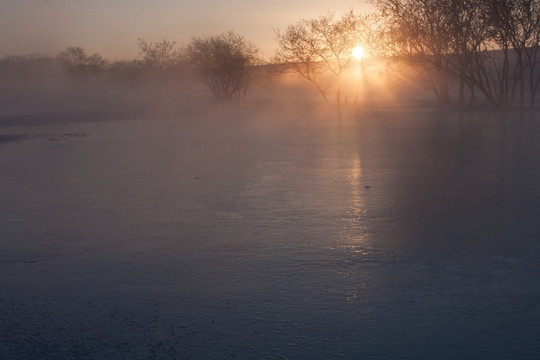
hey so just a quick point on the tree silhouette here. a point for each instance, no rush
(487, 45)
(159, 56)
(419, 31)
(514, 27)
(76, 59)
(225, 63)
(315, 46)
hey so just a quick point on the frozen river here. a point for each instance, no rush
(272, 232)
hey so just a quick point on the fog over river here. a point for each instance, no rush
(271, 231)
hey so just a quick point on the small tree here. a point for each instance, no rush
(225, 62)
(297, 49)
(515, 30)
(159, 56)
(76, 59)
(312, 47)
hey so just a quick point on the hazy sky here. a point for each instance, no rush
(112, 27)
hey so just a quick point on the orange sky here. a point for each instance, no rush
(112, 27)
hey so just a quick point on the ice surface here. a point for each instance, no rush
(263, 231)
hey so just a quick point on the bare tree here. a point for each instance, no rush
(160, 56)
(76, 59)
(488, 45)
(527, 39)
(515, 32)
(467, 36)
(420, 32)
(225, 62)
(313, 47)
(297, 49)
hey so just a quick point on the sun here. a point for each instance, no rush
(358, 52)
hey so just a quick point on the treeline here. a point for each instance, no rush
(227, 63)
(467, 51)
(489, 47)
(486, 50)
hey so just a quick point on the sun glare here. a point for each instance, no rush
(358, 52)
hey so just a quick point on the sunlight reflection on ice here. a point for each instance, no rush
(354, 229)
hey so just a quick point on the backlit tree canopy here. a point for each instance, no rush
(225, 62)
(487, 45)
(312, 47)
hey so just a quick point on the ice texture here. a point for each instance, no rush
(271, 231)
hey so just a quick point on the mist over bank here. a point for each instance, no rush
(43, 88)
